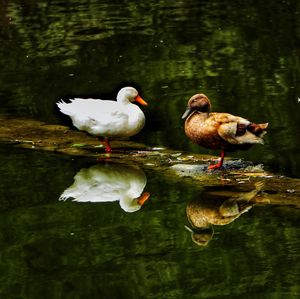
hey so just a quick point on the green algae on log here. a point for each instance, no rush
(38, 135)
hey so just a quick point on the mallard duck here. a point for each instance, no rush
(222, 131)
(108, 119)
(107, 183)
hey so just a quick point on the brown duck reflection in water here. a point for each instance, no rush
(109, 182)
(204, 213)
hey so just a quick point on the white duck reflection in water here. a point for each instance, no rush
(107, 183)
(203, 213)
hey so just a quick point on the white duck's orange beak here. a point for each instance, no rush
(140, 100)
(142, 199)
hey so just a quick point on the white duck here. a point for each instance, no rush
(107, 183)
(108, 119)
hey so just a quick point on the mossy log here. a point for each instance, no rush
(37, 135)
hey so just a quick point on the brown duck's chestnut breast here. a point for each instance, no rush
(203, 131)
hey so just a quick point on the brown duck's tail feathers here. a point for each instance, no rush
(258, 129)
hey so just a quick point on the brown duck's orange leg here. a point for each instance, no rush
(107, 145)
(219, 164)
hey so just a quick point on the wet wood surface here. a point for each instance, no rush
(32, 134)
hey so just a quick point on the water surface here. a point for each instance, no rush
(55, 249)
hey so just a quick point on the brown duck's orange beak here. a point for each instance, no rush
(142, 199)
(140, 100)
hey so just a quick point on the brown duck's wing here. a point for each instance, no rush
(234, 129)
(258, 129)
(227, 118)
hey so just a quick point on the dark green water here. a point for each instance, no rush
(55, 249)
(243, 55)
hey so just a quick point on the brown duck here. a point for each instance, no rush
(222, 131)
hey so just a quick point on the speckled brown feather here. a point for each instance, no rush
(220, 130)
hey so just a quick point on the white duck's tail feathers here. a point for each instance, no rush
(61, 103)
(64, 107)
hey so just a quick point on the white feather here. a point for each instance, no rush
(98, 117)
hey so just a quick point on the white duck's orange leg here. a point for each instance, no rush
(220, 163)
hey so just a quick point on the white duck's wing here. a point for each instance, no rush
(107, 122)
(116, 120)
(97, 117)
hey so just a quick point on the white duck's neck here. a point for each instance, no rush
(123, 99)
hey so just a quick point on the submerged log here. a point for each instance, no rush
(33, 134)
